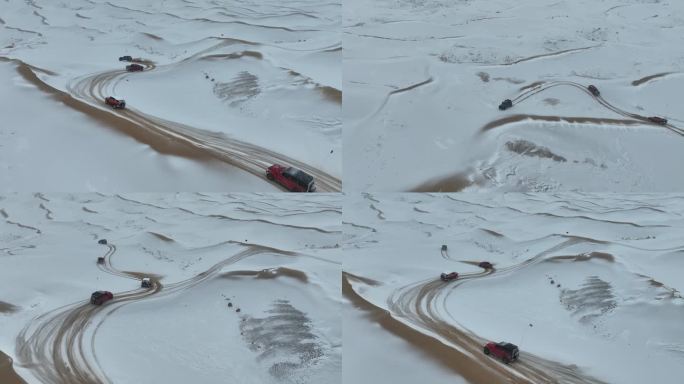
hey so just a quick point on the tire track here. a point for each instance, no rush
(538, 87)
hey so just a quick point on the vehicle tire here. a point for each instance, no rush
(269, 176)
(486, 351)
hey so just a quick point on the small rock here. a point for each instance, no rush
(237, 310)
(230, 304)
(558, 285)
(553, 282)
(530, 324)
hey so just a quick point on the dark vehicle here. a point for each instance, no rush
(449, 276)
(657, 120)
(101, 260)
(115, 103)
(507, 352)
(594, 91)
(100, 297)
(444, 247)
(146, 282)
(102, 241)
(505, 104)
(291, 178)
(135, 68)
(485, 265)
(125, 58)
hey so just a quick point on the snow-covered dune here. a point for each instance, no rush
(244, 288)
(588, 286)
(228, 88)
(424, 79)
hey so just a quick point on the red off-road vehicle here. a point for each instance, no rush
(594, 91)
(291, 178)
(135, 68)
(449, 276)
(657, 120)
(115, 103)
(507, 352)
(100, 297)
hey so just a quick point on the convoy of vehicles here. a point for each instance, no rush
(504, 351)
(485, 265)
(657, 120)
(293, 179)
(100, 297)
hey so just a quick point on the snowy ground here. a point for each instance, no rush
(588, 286)
(228, 89)
(246, 288)
(423, 80)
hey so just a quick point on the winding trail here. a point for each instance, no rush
(538, 87)
(421, 307)
(92, 89)
(59, 346)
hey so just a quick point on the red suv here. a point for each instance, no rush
(115, 103)
(100, 297)
(507, 352)
(291, 178)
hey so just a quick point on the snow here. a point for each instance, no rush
(211, 254)
(196, 56)
(423, 78)
(590, 281)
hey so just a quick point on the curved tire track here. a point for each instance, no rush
(59, 346)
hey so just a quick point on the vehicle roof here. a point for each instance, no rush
(507, 346)
(299, 176)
